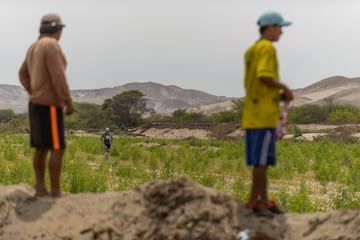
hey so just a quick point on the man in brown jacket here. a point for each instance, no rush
(42, 74)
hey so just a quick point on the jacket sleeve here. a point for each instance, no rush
(56, 64)
(24, 77)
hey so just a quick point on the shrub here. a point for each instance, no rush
(343, 116)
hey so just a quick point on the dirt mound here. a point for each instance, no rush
(173, 209)
(178, 209)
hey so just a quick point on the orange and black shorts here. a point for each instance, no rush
(46, 127)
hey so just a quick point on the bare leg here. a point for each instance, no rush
(259, 184)
(55, 171)
(39, 163)
(107, 151)
(264, 191)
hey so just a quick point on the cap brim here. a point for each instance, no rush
(285, 23)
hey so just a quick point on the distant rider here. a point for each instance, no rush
(107, 139)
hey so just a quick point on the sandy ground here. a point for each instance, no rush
(174, 209)
(177, 209)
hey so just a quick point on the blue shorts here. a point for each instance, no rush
(260, 147)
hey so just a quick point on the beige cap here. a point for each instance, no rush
(51, 20)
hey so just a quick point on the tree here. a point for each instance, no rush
(126, 109)
(182, 115)
(6, 115)
(308, 114)
(225, 116)
(86, 116)
(343, 114)
(325, 113)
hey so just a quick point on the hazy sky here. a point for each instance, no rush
(193, 44)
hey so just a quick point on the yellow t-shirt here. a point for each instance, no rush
(261, 105)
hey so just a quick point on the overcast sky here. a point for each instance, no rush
(193, 44)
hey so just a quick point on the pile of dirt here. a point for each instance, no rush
(174, 209)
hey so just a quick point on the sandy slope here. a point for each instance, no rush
(176, 209)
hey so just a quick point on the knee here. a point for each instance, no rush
(58, 152)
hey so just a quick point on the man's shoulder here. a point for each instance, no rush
(48, 42)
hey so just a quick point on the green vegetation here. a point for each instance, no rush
(310, 176)
(328, 113)
(129, 109)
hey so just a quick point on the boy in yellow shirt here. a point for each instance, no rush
(262, 110)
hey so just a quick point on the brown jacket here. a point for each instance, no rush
(42, 73)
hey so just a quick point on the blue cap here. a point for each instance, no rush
(272, 18)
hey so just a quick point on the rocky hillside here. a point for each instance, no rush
(13, 97)
(337, 90)
(340, 90)
(164, 99)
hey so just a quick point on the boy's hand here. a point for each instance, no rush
(288, 94)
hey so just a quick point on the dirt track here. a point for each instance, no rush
(234, 131)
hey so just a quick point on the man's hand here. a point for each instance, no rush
(69, 108)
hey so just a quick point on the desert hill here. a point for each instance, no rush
(159, 210)
(336, 89)
(164, 99)
(13, 97)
